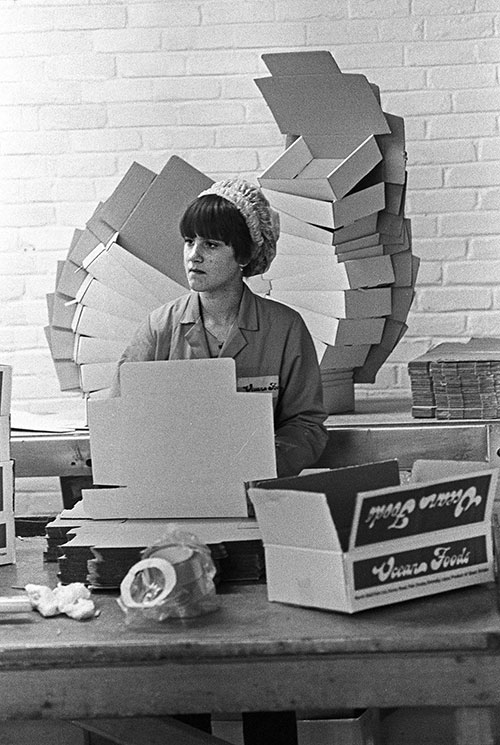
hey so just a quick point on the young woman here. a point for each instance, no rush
(230, 232)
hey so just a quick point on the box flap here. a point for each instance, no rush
(152, 231)
(339, 487)
(420, 509)
(294, 518)
(300, 63)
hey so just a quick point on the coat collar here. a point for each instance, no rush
(194, 332)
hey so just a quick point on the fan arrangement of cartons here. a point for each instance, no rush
(344, 262)
(457, 380)
(7, 528)
(344, 256)
(126, 262)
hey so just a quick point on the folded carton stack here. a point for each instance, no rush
(344, 257)
(188, 469)
(7, 529)
(457, 380)
(126, 262)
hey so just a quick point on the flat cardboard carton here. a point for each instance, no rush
(332, 275)
(84, 245)
(60, 342)
(151, 232)
(371, 302)
(61, 311)
(342, 330)
(179, 407)
(89, 349)
(339, 541)
(95, 294)
(70, 277)
(341, 356)
(298, 171)
(91, 322)
(122, 272)
(393, 333)
(325, 103)
(330, 214)
(68, 375)
(96, 376)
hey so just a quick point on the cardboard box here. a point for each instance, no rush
(342, 330)
(61, 310)
(68, 375)
(339, 541)
(393, 333)
(70, 277)
(89, 349)
(341, 356)
(95, 294)
(7, 527)
(298, 171)
(371, 302)
(123, 272)
(329, 214)
(332, 275)
(5, 389)
(60, 342)
(331, 103)
(151, 232)
(96, 376)
(179, 407)
(92, 322)
(85, 244)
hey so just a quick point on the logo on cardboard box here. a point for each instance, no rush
(415, 566)
(391, 513)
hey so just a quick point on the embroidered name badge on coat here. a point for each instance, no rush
(261, 384)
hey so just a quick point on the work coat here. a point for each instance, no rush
(273, 351)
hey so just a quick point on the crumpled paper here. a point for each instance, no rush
(73, 600)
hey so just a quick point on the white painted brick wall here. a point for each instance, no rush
(88, 86)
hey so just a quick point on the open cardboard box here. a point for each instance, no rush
(352, 538)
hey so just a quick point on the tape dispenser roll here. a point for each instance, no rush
(148, 583)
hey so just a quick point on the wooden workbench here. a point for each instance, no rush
(251, 655)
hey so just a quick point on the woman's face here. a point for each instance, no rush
(210, 264)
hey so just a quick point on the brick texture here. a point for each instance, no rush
(86, 88)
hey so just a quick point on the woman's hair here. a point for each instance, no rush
(212, 216)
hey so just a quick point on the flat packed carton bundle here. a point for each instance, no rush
(353, 538)
(457, 380)
(7, 529)
(344, 257)
(101, 552)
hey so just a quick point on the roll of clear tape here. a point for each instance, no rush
(148, 583)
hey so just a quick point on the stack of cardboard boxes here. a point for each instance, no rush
(7, 529)
(344, 257)
(126, 262)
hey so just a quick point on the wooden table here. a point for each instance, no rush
(251, 655)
